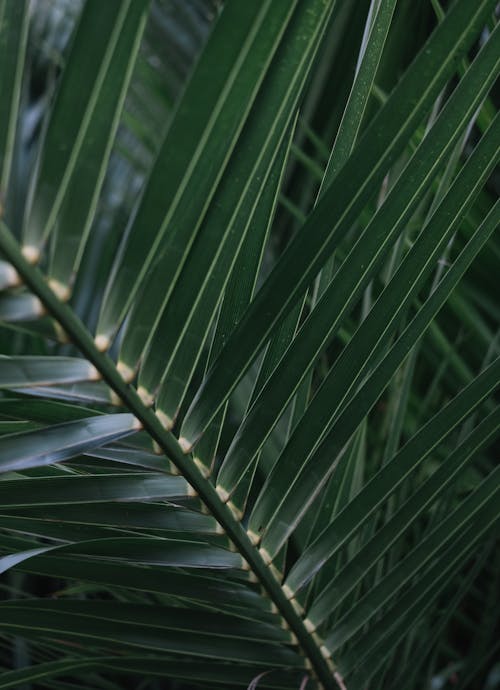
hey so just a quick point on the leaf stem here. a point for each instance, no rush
(81, 337)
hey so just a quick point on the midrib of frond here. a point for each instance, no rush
(317, 659)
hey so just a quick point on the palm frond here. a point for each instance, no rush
(249, 344)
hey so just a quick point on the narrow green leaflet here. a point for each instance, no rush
(88, 392)
(178, 553)
(49, 532)
(43, 411)
(131, 456)
(62, 441)
(20, 306)
(240, 288)
(70, 176)
(35, 324)
(345, 482)
(84, 172)
(140, 515)
(89, 489)
(263, 460)
(192, 158)
(382, 142)
(178, 371)
(25, 371)
(392, 474)
(376, 30)
(13, 38)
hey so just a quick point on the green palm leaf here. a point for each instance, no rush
(249, 344)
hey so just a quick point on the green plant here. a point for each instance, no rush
(247, 415)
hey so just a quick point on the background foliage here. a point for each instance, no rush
(249, 344)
